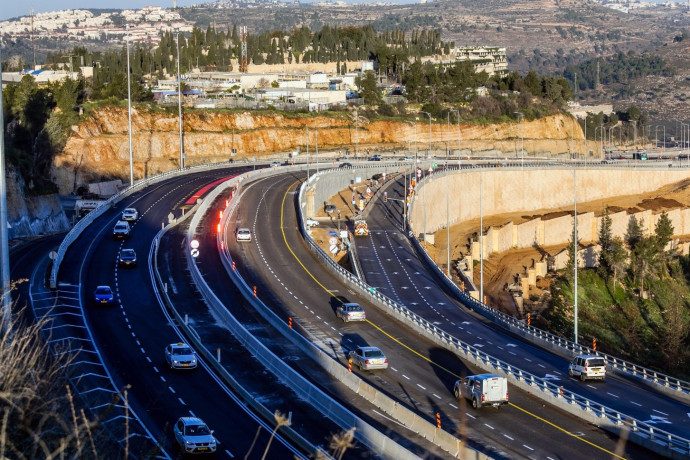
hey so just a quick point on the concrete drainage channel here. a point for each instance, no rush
(648, 436)
(365, 433)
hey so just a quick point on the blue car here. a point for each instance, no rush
(103, 295)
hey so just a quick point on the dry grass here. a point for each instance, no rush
(38, 414)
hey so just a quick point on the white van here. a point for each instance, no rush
(588, 367)
(483, 390)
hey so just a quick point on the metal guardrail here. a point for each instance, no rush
(541, 337)
(645, 434)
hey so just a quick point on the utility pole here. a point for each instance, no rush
(179, 100)
(575, 244)
(129, 114)
(33, 47)
(4, 246)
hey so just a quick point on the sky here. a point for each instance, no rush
(11, 9)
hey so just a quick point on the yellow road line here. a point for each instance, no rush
(282, 229)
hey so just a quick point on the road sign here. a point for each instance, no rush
(334, 249)
(431, 169)
(333, 240)
(195, 253)
(194, 244)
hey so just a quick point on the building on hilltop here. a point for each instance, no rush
(489, 59)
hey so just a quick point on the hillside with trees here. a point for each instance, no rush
(635, 303)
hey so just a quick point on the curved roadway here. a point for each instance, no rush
(421, 374)
(132, 335)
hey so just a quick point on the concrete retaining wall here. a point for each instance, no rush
(508, 190)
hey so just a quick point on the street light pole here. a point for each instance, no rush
(575, 244)
(481, 242)
(428, 115)
(316, 141)
(129, 114)
(521, 117)
(4, 246)
(179, 100)
(356, 135)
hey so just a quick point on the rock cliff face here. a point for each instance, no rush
(98, 148)
(31, 215)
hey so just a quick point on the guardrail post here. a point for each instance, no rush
(651, 433)
(438, 420)
(587, 408)
(186, 318)
(218, 354)
(634, 425)
(618, 419)
(603, 412)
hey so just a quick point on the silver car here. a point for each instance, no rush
(192, 435)
(350, 312)
(368, 358)
(130, 214)
(180, 356)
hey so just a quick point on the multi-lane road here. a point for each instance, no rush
(421, 374)
(131, 336)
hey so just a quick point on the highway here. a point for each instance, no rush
(421, 374)
(132, 335)
(393, 267)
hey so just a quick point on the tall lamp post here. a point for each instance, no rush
(4, 246)
(428, 115)
(521, 117)
(356, 134)
(179, 100)
(129, 114)
(575, 244)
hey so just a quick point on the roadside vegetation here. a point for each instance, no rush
(636, 303)
(39, 414)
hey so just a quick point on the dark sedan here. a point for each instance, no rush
(128, 258)
(103, 295)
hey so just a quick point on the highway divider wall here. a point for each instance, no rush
(645, 434)
(209, 358)
(326, 405)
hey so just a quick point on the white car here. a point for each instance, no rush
(121, 229)
(588, 367)
(367, 358)
(192, 435)
(350, 312)
(275, 164)
(130, 214)
(180, 356)
(243, 234)
(311, 222)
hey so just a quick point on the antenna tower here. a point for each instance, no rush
(33, 47)
(243, 41)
